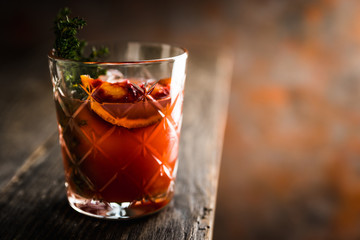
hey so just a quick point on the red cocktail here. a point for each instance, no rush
(120, 143)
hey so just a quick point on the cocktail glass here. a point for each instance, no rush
(119, 126)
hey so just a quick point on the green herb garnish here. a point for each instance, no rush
(68, 46)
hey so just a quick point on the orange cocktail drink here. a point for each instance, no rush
(120, 141)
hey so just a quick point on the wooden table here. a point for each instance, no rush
(33, 202)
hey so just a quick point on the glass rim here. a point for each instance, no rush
(184, 53)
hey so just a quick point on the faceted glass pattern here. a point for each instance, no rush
(113, 170)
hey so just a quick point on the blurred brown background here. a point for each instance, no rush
(291, 157)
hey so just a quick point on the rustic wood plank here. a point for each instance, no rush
(27, 111)
(34, 205)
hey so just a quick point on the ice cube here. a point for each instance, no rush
(112, 76)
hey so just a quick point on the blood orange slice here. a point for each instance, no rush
(123, 104)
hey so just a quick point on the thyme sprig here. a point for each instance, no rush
(68, 46)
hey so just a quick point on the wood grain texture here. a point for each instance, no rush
(26, 109)
(34, 206)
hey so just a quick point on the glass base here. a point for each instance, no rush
(114, 210)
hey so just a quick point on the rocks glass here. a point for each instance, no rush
(119, 125)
